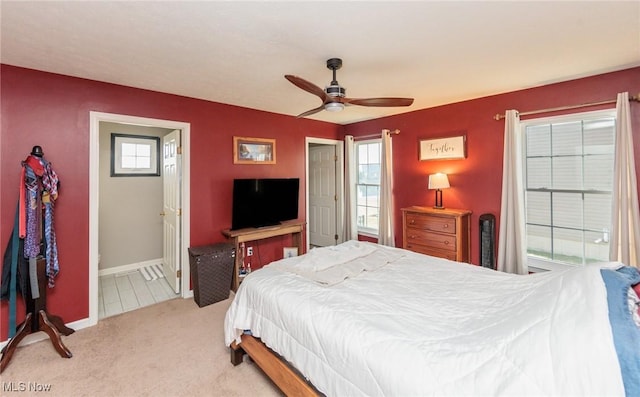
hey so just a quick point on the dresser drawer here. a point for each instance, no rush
(433, 240)
(451, 255)
(434, 223)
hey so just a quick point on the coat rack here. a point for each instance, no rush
(37, 318)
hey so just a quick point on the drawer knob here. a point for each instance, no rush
(412, 221)
(446, 243)
(445, 226)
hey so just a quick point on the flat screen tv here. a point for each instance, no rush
(264, 201)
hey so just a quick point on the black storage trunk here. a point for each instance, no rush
(211, 271)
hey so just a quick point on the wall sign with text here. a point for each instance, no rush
(451, 148)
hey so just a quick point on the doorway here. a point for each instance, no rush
(324, 192)
(99, 148)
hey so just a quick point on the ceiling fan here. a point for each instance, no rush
(333, 96)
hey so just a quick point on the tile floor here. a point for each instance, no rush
(123, 292)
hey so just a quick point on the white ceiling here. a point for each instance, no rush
(238, 52)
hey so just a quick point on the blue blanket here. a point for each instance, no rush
(626, 334)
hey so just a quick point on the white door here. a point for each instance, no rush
(322, 195)
(171, 208)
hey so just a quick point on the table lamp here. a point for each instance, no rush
(438, 182)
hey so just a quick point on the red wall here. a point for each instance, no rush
(476, 181)
(53, 111)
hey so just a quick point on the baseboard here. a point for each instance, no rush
(129, 268)
(38, 336)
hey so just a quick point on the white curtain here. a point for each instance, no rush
(385, 232)
(350, 190)
(512, 248)
(624, 240)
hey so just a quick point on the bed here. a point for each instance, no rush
(360, 319)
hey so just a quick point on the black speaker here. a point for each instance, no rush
(488, 241)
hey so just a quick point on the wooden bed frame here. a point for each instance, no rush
(288, 379)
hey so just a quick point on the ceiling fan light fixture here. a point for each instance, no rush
(333, 96)
(333, 106)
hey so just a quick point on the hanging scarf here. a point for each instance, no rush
(39, 188)
(51, 246)
(32, 212)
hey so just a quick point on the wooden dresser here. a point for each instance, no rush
(445, 233)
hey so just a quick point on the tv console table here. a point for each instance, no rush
(294, 228)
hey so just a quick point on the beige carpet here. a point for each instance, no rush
(173, 348)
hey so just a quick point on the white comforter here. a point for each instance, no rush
(417, 325)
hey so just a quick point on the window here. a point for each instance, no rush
(568, 181)
(135, 155)
(368, 185)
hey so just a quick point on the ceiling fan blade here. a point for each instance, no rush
(312, 111)
(307, 86)
(379, 102)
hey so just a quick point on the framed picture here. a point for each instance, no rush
(135, 155)
(451, 148)
(253, 150)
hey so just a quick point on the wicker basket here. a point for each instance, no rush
(211, 272)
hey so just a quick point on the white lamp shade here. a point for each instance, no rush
(438, 181)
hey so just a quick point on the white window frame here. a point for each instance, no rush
(366, 231)
(537, 264)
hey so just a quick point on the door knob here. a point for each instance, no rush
(162, 213)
